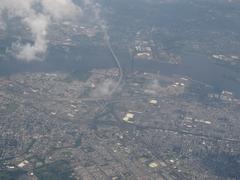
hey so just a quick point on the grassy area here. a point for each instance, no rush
(81, 76)
(77, 75)
(11, 174)
(59, 170)
(68, 79)
(78, 141)
(2, 50)
(67, 153)
(11, 107)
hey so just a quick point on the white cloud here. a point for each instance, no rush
(38, 25)
(38, 22)
(96, 10)
(104, 88)
(61, 9)
(17, 8)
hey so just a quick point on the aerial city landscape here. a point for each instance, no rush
(115, 90)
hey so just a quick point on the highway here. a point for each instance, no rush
(116, 60)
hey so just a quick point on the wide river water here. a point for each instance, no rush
(195, 66)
